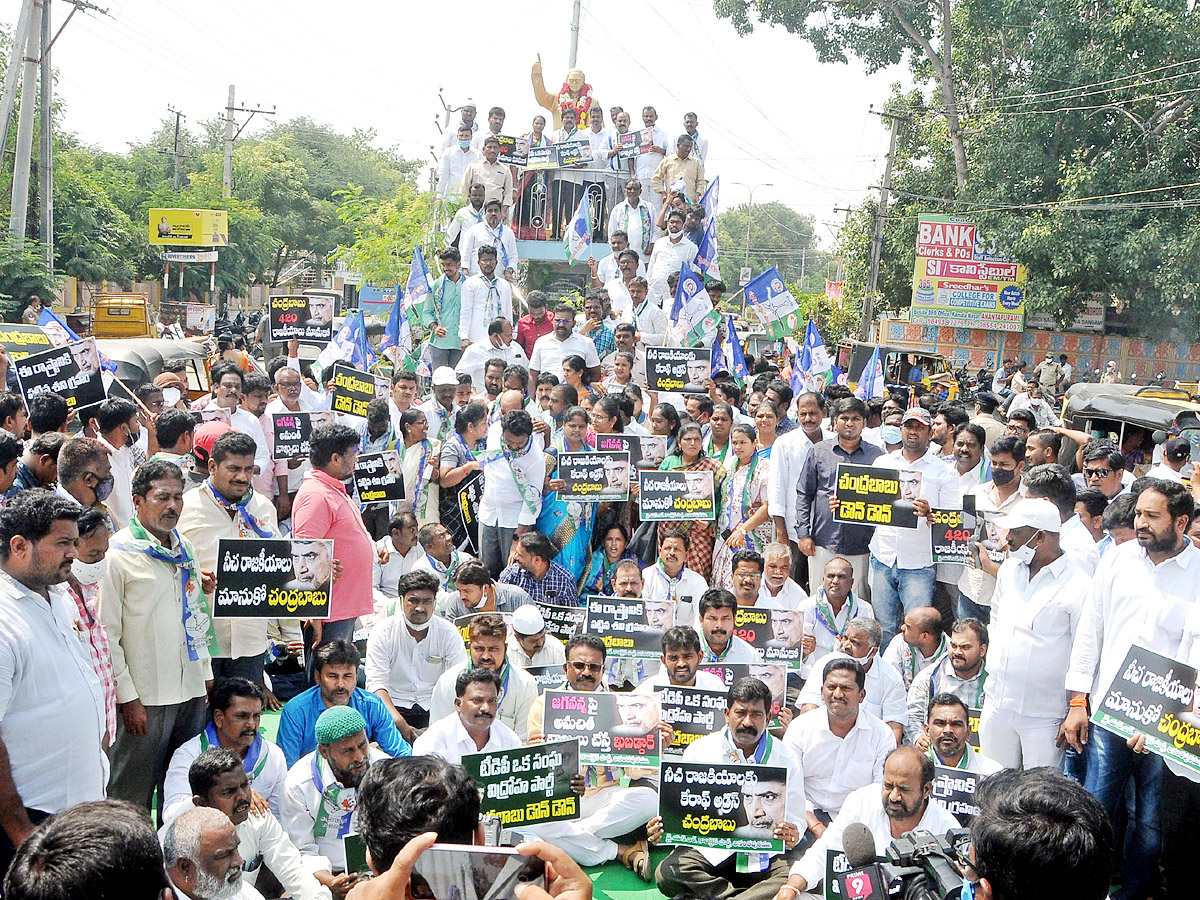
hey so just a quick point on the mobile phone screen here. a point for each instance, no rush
(460, 872)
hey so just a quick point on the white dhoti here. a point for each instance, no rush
(604, 815)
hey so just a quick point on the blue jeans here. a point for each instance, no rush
(895, 591)
(968, 608)
(1110, 766)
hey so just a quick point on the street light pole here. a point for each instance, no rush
(749, 218)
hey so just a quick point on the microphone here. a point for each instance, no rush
(865, 879)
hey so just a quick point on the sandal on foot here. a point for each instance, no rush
(636, 858)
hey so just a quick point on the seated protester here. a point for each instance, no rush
(718, 643)
(611, 816)
(235, 708)
(217, 780)
(528, 643)
(403, 551)
(947, 728)
(320, 796)
(487, 640)
(886, 697)
(898, 803)
(200, 849)
(840, 745)
(440, 557)
(703, 872)
(479, 592)
(335, 670)
(472, 727)
(535, 571)
(961, 671)
(680, 664)
(670, 578)
(920, 643)
(778, 590)
(831, 609)
(409, 651)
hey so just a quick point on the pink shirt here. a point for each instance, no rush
(323, 510)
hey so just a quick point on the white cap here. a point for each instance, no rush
(1032, 513)
(527, 620)
(444, 375)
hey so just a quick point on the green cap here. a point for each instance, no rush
(339, 722)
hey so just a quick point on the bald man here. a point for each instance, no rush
(921, 641)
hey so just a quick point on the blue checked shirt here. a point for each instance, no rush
(605, 341)
(557, 587)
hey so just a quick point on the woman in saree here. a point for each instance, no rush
(766, 419)
(611, 551)
(743, 520)
(690, 458)
(418, 458)
(567, 523)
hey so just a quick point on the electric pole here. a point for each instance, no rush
(841, 259)
(46, 158)
(574, 35)
(20, 185)
(868, 310)
(231, 135)
(176, 152)
(12, 75)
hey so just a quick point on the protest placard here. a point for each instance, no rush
(633, 144)
(676, 496)
(215, 414)
(292, 431)
(646, 451)
(612, 729)
(573, 153)
(776, 634)
(308, 319)
(72, 371)
(723, 806)
(630, 628)
(528, 785)
(955, 790)
(514, 151)
(377, 477)
(352, 390)
(541, 158)
(273, 578)
(693, 713)
(1154, 695)
(564, 622)
(461, 520)
(868, 495)
(593, 477)
(678, 368)
(950, 537)
(773, 675)
(547, 678)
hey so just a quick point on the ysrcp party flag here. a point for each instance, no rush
(578, 241)
(870, 380)
(727, 354)
(692, 315)
(812, 369)
(773, 303)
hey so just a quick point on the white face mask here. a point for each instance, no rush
(414, 626)
(89, 573)
(1024, 553)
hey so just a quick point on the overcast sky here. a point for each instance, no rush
(771, 112)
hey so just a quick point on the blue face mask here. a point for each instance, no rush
(890, 434)
(968, 889)
(464, 144)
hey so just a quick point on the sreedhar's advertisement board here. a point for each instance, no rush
(959, 284)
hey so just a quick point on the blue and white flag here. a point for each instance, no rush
(773, 303)
(870, 380)
(349, 345)
(727, 354)
(398, 334)
(708, 259)
(812, 369)
(709, 201)
(60, 333)
(693, 318)
(418, 280)
(578, 239)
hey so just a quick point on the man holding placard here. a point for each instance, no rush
(472, 727)
(718, 642)
(711, 872)
(670, 578)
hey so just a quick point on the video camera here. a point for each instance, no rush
(919, 866)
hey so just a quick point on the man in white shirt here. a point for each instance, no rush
(920, 642)
(680, 664)
(1052, 483)
(550, 350)
(529, 644)
(646, 315)
(320, 796)
(488, 635)
(455, 160)
(960, 671)
(1035, 401)
(699, 143)
(467, 216)
(886, 697)
(498, 345)
(946, 731)
(898, 803)
(235, 710)
(216, 779)
(467, 113)
(605, 270)
(200, 849)
(1001, 494)
(671, 251)
(473, 726)
(840, 745)
(704, 872)
(830, 609)
(491, 232)
(118, 429)
(645, 164)
(228, 383)
(636, 219)
(903, 574)
(1142, 593)
(1036, 610)
(512, 489)
(778, 590)
(1176, 454)
(403, 551)
(484, 299)
(495, 124)
(408, 652)
(718, 643)
(52, 717)
(670, 578)
(788, 456)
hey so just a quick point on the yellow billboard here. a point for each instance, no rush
(189, 227)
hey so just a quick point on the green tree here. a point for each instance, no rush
(384, 232)
(779, 236)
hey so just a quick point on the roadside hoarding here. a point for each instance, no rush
(189, 227)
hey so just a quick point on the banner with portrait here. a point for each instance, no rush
(273, 578)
